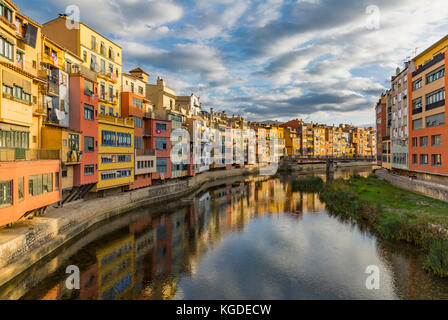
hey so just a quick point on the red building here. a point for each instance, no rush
(380, 111)
(428, 117)
(157, 133)
(84, 118)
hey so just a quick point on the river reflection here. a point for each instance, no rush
(251, 240)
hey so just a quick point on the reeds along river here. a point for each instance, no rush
(252, 240)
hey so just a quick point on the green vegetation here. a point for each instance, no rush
(309, 184)
(393, 213)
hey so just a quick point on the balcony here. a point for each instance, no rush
(16, 154)
(53, 89)
(145, 152)
(435, 105)
(148, 115)
(147, 132)
(127, 122)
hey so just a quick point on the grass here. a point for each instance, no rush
(309, 184)
(393, 213)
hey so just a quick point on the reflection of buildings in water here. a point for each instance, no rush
(89, 283)
(144, 244)
(116, 268)
(177, 241)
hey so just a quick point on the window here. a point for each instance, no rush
(40, 184)
(102, 109)
(436, 160)
(73, 141)
(161, 143)
(56, 180)
(138, 122)
(88, 112)
(5, 193)
(108, 138)
(93, 43)
(423, 141)
(111, 111)
(107, 159)
(137, 102)
(111, 53)
(435, 97)
(437, 74)
(20, 183)
(93, 63)
(414, 159)
(417, 124)
(6, 49)
(111, 93)
(162, 165)
(414, 142)
(138, 143)
(102, 91)
(89, 144)
(89, 170)
(124, 158)
(378, 110)
(436, 140)
(161, 126)
(124, 173)
(140, 90)
(88, 88)
(8, 90)
(417, 106)
(417, 84)
(14, 139)
(102, 66)
(424, 159)
(435, 120)
(107, 175)
(124, 139)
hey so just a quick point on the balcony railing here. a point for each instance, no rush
(117, 120)
(417, 110)
(18, 154)
(147, 132)
(435, 105)
(145, 152)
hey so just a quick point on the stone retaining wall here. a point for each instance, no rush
(430, 189)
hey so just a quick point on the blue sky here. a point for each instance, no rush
(318, 60)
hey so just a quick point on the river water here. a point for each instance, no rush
(255, 239)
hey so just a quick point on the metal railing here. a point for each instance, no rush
(19, 154)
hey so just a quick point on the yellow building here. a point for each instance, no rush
(99, 54)
(115, 152)
(115, 134)
(292, 142)
(68, 141)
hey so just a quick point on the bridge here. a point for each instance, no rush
(293, 163)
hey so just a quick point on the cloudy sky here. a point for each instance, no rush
(318, 60)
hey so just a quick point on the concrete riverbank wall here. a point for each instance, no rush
(431, 189)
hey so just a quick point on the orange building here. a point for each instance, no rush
(27, 186)
(428, 135)
(135, 104)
